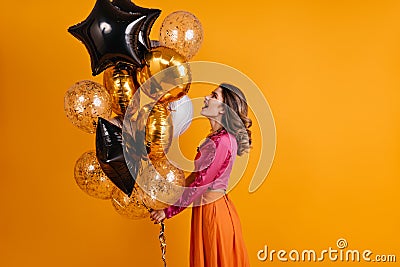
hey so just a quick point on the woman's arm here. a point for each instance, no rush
(190, 179)
(200, 181)
(159, 215)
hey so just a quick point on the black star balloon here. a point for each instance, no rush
(151, 16)
(116, 31)
(110, 155)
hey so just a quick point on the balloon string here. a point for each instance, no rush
(161, 237)
(163, 243)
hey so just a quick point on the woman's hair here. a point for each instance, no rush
(235, 118)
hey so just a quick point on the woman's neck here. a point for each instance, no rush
(215, 126)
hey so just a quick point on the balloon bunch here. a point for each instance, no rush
(129, 165)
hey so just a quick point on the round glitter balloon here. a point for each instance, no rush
(90, 177)
(84, 102)
(129, 207)
(182, 31)
(162, 184)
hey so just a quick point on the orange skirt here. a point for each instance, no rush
(216, 235)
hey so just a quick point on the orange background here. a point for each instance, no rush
(330, 72)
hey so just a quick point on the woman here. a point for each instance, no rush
(216, 235)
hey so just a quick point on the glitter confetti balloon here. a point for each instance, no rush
(129, 207)
(84, 102)
(162, 184)
(90, 177)
(182, 31)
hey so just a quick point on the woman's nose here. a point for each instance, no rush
(207, 97)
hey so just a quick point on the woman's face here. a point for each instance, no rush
(213, 105)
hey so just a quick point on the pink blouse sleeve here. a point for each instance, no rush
(218, 159)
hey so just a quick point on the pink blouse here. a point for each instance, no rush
(213, 165)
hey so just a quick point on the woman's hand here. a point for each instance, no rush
(157, 216)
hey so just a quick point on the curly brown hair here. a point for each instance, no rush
(235, 119)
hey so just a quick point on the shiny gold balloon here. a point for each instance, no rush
(183, 32)
(139, 130)
(129, 207)
(169, 85)
(84, 102)
(154, 126)
(90, 177)
(120, 82)
(162, 184)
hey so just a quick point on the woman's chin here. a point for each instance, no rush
(204, 113)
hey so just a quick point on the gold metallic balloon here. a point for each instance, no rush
(154, 126)
(90, 177)
(183, 32)
(139, 131)
(169, 85)
(120, 82)
(129, 207)
(84, 102)
(162, 184)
